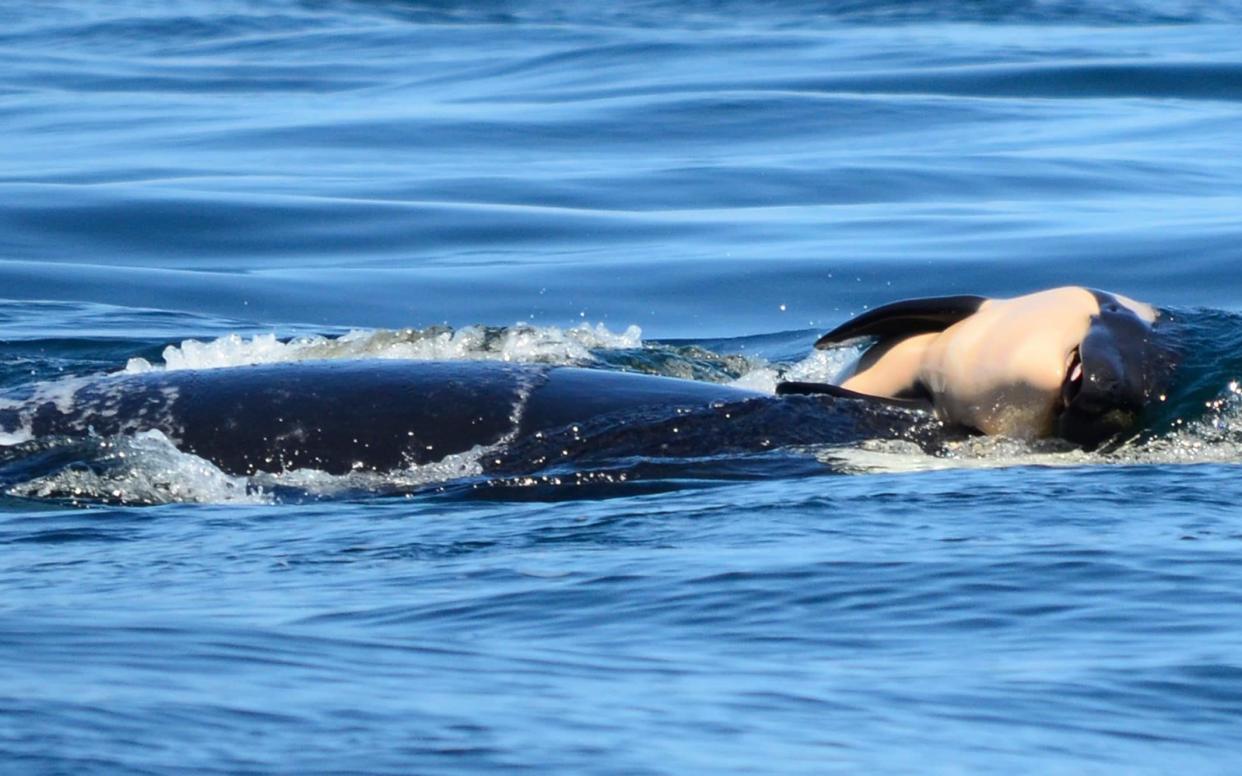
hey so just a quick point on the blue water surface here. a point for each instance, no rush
(692, 189)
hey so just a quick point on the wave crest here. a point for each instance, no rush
(520, 344)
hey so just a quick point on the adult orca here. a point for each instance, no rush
(381, 415)
(1069, 362)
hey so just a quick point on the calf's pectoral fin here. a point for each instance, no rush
(904, 319)
(901, 332)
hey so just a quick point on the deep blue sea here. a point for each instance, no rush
(696, 189)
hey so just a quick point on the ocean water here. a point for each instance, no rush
(693, 189)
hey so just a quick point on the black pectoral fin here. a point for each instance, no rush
(904, 319)
(826, 389)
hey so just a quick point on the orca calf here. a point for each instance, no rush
(1070, 362)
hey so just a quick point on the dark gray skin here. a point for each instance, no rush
(382, 415)
(1125, 367)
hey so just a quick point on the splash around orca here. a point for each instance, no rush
(1069, 363)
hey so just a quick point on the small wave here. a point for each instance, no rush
(821, 366)
(146, 468)
(1213, 437)
(896, 456)
(519, 344)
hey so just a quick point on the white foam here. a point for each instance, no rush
(320, 484)
(520, 343)
(16, 436)
(893, 456)
(146, 468)
(1214, 438)
(820, 366)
